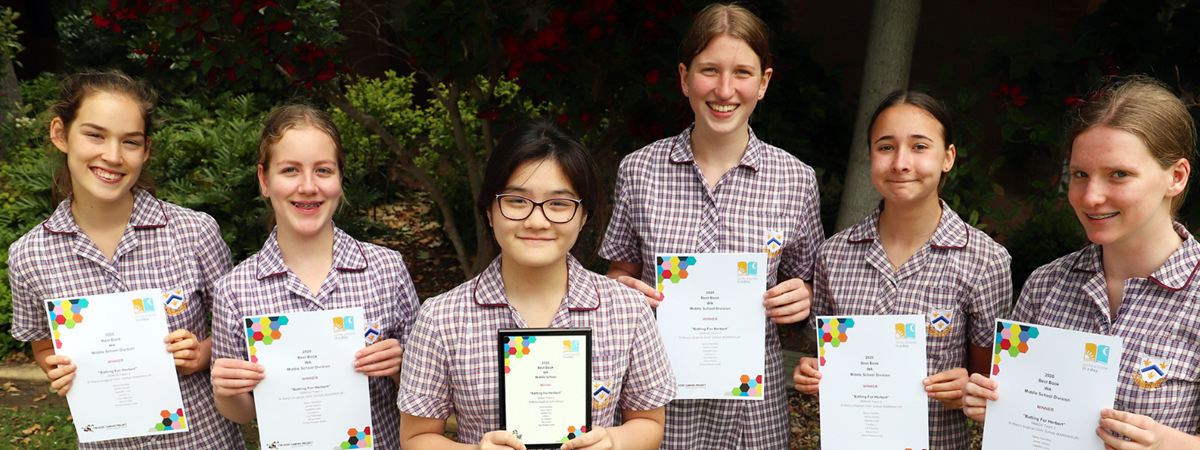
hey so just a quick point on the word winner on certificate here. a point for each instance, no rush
(712, 321)
(871, 390)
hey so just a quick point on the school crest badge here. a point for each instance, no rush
(773, 243)
(602, 393)
(1150, 372)
(940, 322)
(174, 302)
(371, 333)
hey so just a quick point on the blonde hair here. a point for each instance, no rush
(731, 19)
(1146, 108)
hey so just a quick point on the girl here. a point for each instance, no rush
(111, 235)
(308, 264)
(914, 255)
(540, 188)
(1129, 153)
(717, 188)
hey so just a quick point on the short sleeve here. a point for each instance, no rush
(621, 242)
(822, 305)
(228, 340)
(425, 374)
(29, 322)
(1032, 294)
(214, 258)
(798, 257)
(990, 298)
(405, 311)
(649, 383)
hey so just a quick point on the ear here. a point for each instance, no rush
(951, 153)
(1180, 171)
(683, 80)
(146, 153)
(262, 182)
(766, 80)
(58, 134)
(489, 214)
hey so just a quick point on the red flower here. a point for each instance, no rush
(1012, 94)
(585, 117)
(652, 76)
(1072, 100)
(238, 18)
(325, 75)
(515, 70)
(101, 22)
(230, 74)
(563, 119)
(282, 25)
(490, 114)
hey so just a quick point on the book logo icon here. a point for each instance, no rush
(906, 331)
(747, 268)
(1096, 353)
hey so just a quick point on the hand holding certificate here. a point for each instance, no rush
(1053, 384)
(871, 391)
(712, 321)
(125, 384)
(311, 397)
(545, 384)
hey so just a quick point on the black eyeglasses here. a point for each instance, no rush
(557, 210)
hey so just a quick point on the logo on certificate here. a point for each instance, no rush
(174, 302)
(939, 322)
(1150, 372)
(601, 393)
(1095, 353)
(143, 305)
(343, 324)
(747, 268)
(906, 331)
(571, 346)
(773, 243)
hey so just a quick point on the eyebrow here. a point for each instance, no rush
(298, 163)
(100, 128)
(913, 136)
(522, 190)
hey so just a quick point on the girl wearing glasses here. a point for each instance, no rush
(914, 255)
(717, 188)
(540, 188)
(309, 264)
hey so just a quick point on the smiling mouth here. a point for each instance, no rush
(107, 174)
(722, 108)
(1101, 216)
(308, 206)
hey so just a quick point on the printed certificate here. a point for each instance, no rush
(872, 394)
(125, 382)
(545, 384)
(311, 397)
(1052, 384)
(712, 322)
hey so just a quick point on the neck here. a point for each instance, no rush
(92, 213)
(1139, 258)
(719, 148)
(298, 249)
(539, 287)
(910, 222)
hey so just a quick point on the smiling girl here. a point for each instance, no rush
(1130, 152)
(308, 264)
(110, 235)
(914, 255)
(539, 190)
(717, 188)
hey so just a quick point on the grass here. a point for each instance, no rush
(37, 427)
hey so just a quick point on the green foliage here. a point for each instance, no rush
(47, 426)
(9, 46)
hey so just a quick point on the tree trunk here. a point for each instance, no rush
(10, 89)
(889, 59)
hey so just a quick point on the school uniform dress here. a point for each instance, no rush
(960, 281)
(767, 203)
(165, 247)
(362, 274)
(1158, 322)
(450, 363)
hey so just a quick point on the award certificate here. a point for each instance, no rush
(545, 384)
(713, 321)
(125, 382)
(1052, 384)
(311, 397)
(871, 391)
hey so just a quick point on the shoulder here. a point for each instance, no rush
(645, 158)
(982, 243)
(244, 275)
(449, 304)
(382, 256)
(189, 220)
(784, 161)
(1049, 275)
(618, 296)
(25, 248)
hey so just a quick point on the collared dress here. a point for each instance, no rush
(767, 203)
(366, 275)
(165, 247)
(1158, 322)
(960, 281)
(450, 363)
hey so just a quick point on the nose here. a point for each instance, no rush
(902, 161)
(1093, 193)
(724, 88)
(537, 218)
(308, 185)
(112, 152)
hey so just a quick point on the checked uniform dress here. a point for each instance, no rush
(768, 203)
(1158, 321)
(450, 363)
(165, 247)
(959, 280)
(362, 274)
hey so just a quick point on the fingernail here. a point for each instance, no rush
(261, 368)
(926, 381)
(67, 359)
(358, 355)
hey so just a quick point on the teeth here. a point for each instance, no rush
(722, 108)
(107, 175)
(1101, 216)
(307, 205)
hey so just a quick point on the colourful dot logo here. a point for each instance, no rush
(516, 347)
(66, 313)
(143, 305)
(343, 324)
(1095, 353)
(832, 332)
(573, 433)
(750, 387)
(1013, 339)
(358, 438)
(673, 268)
(265, 330)
(88, 428)
(171, 421)
(747, 268)
(273, 445)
